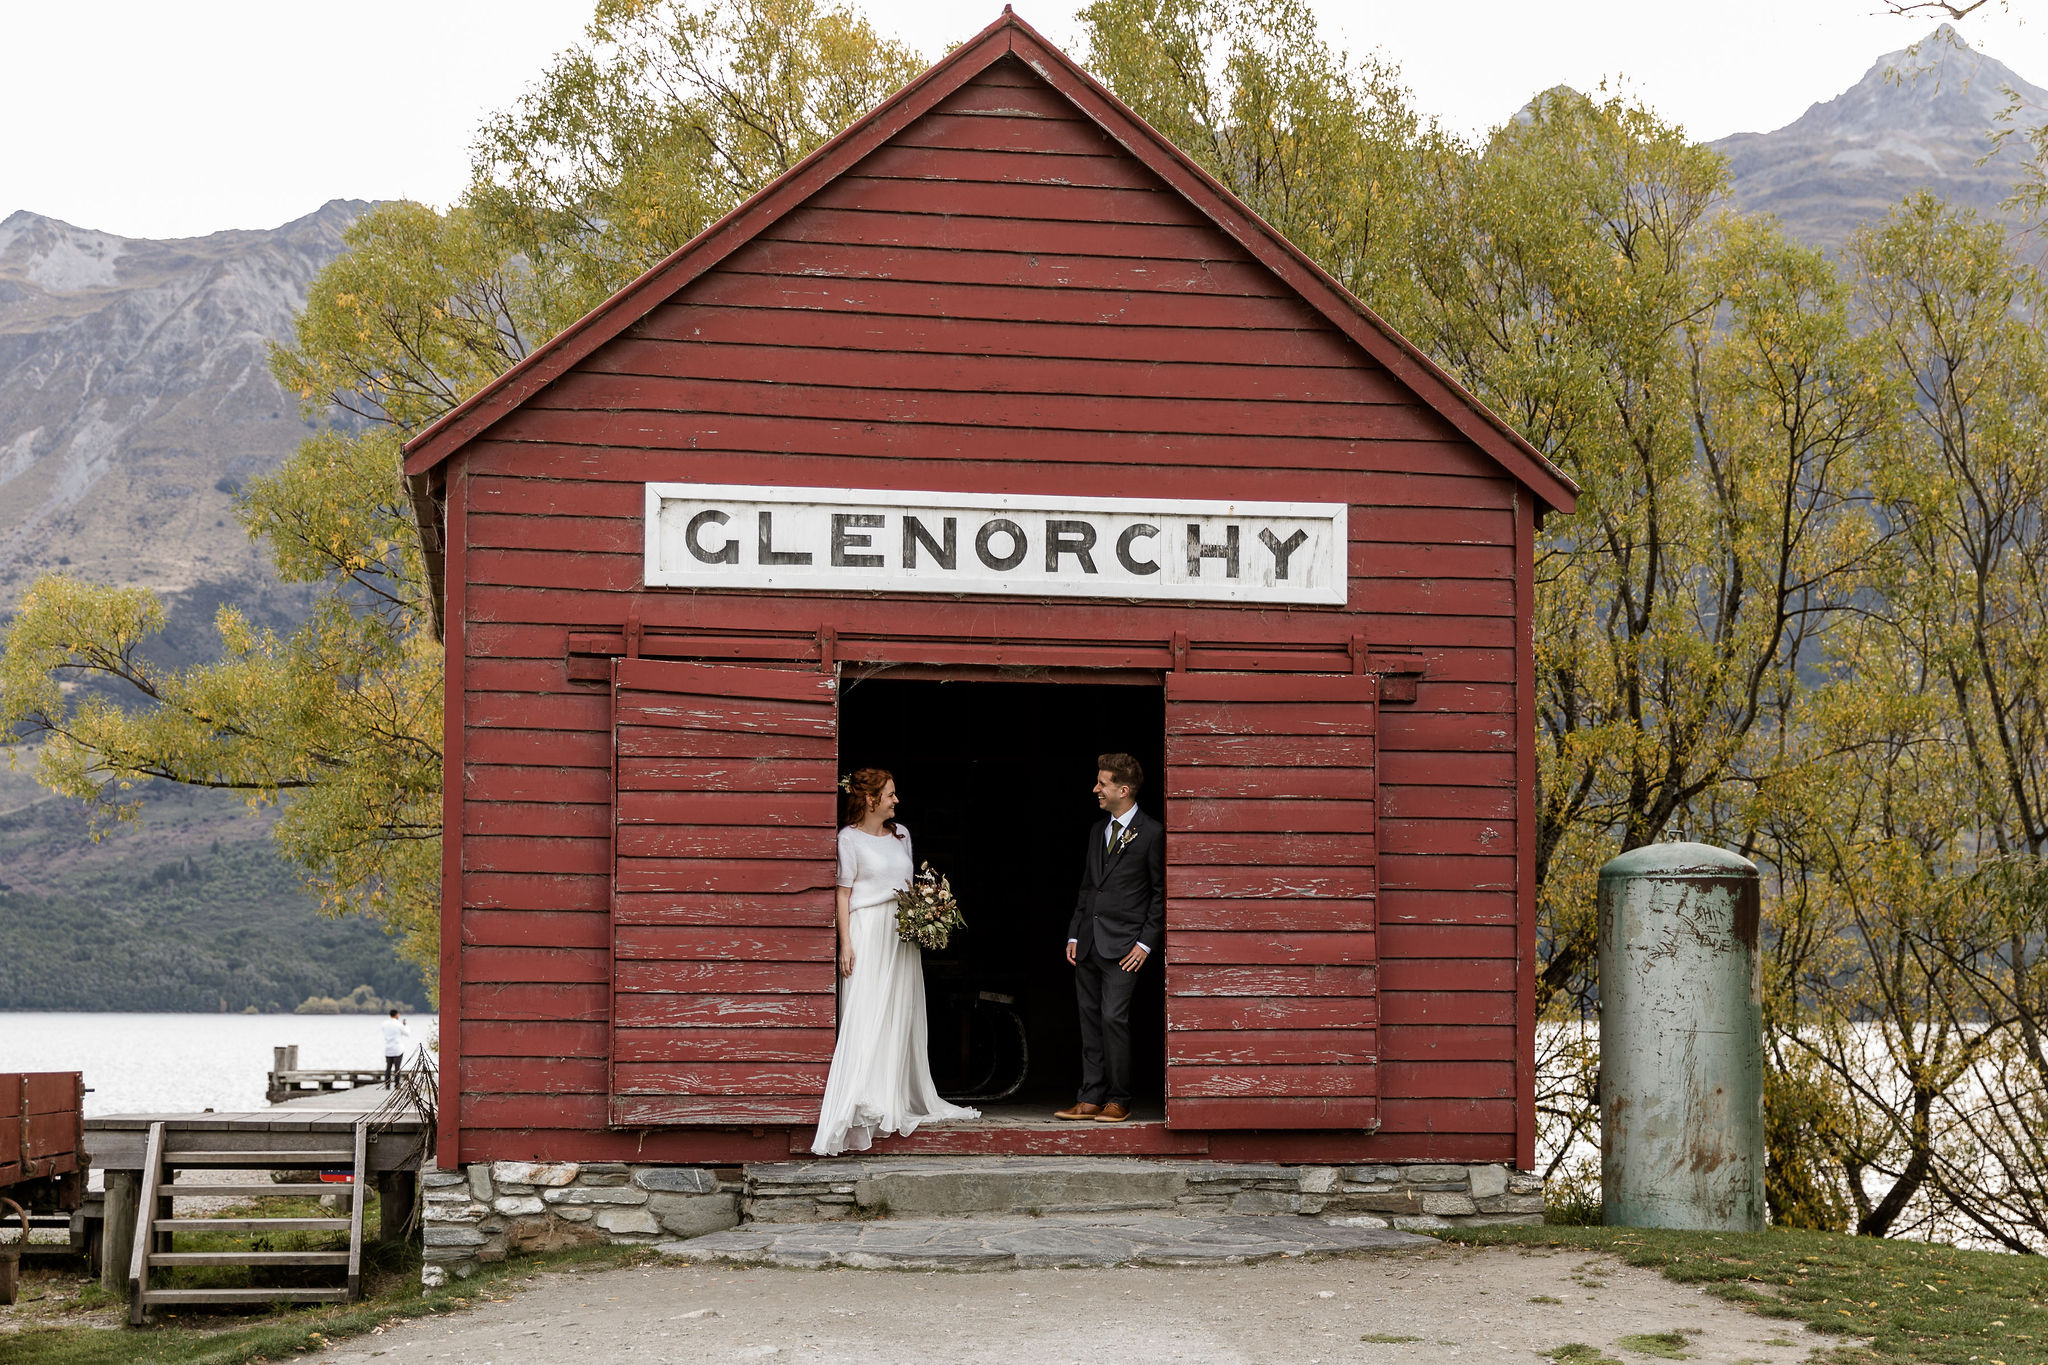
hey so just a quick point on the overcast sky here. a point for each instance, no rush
(154, 118)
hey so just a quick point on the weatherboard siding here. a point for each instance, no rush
(999, 299)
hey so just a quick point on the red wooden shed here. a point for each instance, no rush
(993, 436)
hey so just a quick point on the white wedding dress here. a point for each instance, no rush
(881, 1077)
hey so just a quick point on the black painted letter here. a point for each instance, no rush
(1283, 550)
(1076, 538)
(848, 537)
(1017, 544)
(728, 553)
(914, 535)
(768, 554)
(1131, 563)
(1199, 550)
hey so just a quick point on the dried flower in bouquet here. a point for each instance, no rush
(926, 911)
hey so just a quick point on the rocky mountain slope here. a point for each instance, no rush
(135, 397)
(1919, 118)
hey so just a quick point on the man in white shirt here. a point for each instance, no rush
(397, 1041)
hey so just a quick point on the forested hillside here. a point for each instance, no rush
(189, 908)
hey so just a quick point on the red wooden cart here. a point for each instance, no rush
(42, 1135)
(43, 1160)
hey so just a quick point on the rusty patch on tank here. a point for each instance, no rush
(1748, 910)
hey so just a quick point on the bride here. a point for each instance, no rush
(881, 1078)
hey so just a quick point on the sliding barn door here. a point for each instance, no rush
(722, 928)
(1271, 1008)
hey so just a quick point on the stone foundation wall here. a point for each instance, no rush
(490, 1210)
(1414, 1198)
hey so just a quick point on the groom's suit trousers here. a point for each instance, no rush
(1104, 990)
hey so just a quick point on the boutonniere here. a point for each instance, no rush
(1125, 839)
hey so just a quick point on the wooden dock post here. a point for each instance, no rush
(397, 1195)
(288, 1080)
(117, 1229)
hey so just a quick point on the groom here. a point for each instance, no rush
(1118, 919)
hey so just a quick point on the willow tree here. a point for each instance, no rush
(1327, 148)
(1697, 373)
(665, 117)
(1956, 645)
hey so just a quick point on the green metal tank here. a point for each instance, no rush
(1681, 1041)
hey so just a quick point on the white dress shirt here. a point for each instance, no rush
(1117, 825)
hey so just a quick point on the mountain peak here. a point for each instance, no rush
(135, 394)
(1940, 85)
(1920, 118)
(55, 255)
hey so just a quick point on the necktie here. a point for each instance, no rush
(1110, 846)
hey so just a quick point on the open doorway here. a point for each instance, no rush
(996, 782)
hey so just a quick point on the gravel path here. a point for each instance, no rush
(1379, 1308)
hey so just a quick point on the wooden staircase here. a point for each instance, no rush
(156, 1225)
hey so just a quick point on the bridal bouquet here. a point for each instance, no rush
(926, 912)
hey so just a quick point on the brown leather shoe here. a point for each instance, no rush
(1112, 1113)
(1080, 1110)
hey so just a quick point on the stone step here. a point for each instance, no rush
(809, 1191)
(1417, 1197)
(1011, 1243)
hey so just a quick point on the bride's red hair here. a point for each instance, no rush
(863, 788)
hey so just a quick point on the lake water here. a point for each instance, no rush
(157, 1063)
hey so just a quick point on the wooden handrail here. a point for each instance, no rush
(355, 1213)
(145, 1222)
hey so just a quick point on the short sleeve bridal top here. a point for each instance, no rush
(874, 866)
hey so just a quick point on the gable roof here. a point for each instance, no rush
(1007, 36)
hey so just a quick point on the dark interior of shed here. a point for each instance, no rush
(996, 780)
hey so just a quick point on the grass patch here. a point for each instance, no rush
(1545, 1298)
(392, 1294)
(1911, 1301)
(1387, 1338)
(1579, 1353)
(1668, 1345)
(1573, 1201)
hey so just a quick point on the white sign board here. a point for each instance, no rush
(874, 540)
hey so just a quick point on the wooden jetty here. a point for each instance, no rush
(290, 1081)
(144, 1155)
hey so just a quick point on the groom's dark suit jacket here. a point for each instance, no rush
(1123, 894)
